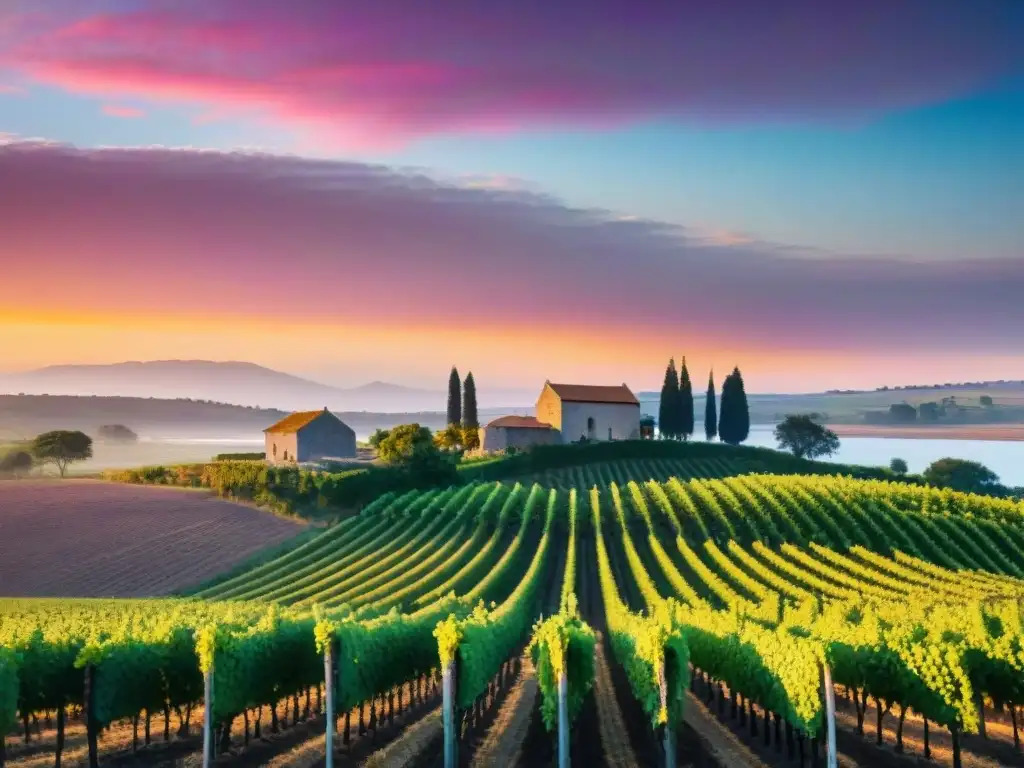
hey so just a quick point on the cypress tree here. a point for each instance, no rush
(668, 408)
(469, 414)
(454, 397)
(734, 417)
(710, 412)
(685, 417)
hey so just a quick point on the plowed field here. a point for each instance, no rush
(82, 538)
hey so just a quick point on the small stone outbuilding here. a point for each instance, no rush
(309, 436)
(519, 432)
(585, 411)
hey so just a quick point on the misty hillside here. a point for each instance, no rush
(24, 416)
(240, 383)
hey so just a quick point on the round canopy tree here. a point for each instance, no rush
(61, 448)
(806, 438)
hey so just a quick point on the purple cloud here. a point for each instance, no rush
(393, 70)
(189, 233)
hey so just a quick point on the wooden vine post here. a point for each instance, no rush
(830, 718)
(563, 720)
(329, 685)
(91, 723)
(448, 713)
(669, 736)
(208, 717)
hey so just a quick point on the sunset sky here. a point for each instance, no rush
(830, 195)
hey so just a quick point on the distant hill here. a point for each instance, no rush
(25, 416)
(240, 383)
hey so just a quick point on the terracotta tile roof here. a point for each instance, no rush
(586, 393)
(295, 422)
(519, 422)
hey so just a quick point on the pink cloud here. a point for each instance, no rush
(113, 110)
(395, 70)
(11, 90)
(180, 232)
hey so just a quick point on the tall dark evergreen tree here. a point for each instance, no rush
(685, 418)
(668, 408)
(469, 413)
(734, 417)
(668, 412)
(454, 397)
(710, 411)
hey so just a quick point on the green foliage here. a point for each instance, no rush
(734, 414)
(406, 444)
(470, 438)
(685, 407)
(449, 438)
(960, 475)
(116, 433)
(899, 466)
(805, 438)
(710, 410)
(454, 398)
(253, 456)
(563, 644)
(16, 463)
(61, 448)
(470, 416)
(378, 436)
(8, 690)
(668, 406)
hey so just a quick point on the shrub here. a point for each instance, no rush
(255, 456)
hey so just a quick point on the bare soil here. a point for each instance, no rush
(83, 538)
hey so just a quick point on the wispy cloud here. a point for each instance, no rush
(187, 232)
(11, 90)
(394, 70)
(114, 110)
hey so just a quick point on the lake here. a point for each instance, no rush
(1005, 458)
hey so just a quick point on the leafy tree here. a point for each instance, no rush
(902, 413)
(961, 475)
(805, 438)
(16, 463)
(471, 438)
(734, 413)
(710, 411)
(899, 466)
(61, 448)
(928, 411)
(470, 418)
(378, 436)
(449, 438)
(404, 443)
(411, 447)
(685, 423)
(117, 433)
(986, 401)
(668, 408)
(454, 397)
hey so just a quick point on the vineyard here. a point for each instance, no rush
(655, 606)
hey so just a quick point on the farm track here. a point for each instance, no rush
(80, 538)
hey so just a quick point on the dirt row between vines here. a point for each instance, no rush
(85, 538)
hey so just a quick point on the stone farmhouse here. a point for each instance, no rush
(309, 436)
(567, 413)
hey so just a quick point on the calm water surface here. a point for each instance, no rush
(1004, 458)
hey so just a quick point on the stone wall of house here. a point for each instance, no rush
(611, 421)
(279, 445)
(521, 438)
(326, 437)
(549, 408)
